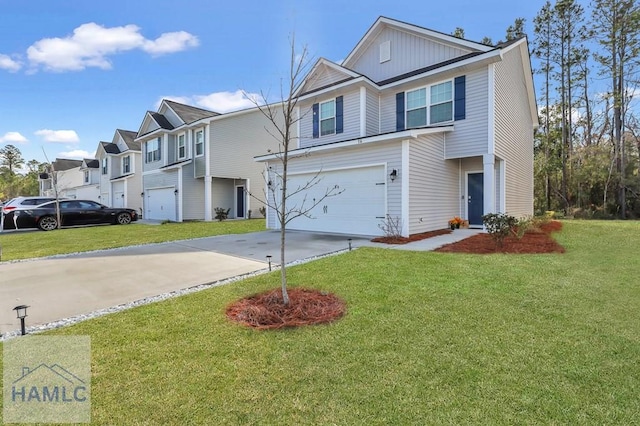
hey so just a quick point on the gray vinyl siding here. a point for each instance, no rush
(223, 191)
(164, 179)
(155, 165)
(514, 133)
(134, 188)
(234, 142)
(351, 124)
(324, 77)
(471, 135)
(373, 113)
(408, 52)
(498, 191)
(388, 111)
(433, 185)
(387, 153)
(171, 150)
(115, 166)
(192, 195)
(199, 166)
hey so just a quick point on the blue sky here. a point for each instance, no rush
(74, 71)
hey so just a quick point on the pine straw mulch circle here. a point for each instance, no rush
(534, 241)
(306, 307)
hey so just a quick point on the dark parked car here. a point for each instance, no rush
(73, 212)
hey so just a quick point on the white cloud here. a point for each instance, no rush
(77, 154)
(6, 63)
(91, 44)
(170, 43)
(13, 137)
(59, 136)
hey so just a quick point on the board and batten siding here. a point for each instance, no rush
(351, 123)
(192, 195)
(325, 76)
(433, 185)
(471, 135)
(235, 141)
(383, 153)
(514, 133)
(373, 113)
(409, 52)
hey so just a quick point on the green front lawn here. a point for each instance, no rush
(24, 245)
(429, 338)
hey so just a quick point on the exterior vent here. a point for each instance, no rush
(385, 51)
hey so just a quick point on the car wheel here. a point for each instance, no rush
(47, 223)
(123, 219)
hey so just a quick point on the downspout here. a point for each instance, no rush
(208, 201)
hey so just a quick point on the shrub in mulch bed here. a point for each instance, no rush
(306, 307)
(535, 240)
(411, 238)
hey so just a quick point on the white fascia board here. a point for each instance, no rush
(405, 134)
(476, 61)
(359, 80)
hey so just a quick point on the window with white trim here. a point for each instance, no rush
(437, 108)
(181, 147)
(328, 118)
(105, 167)
(153, 150)
(86, 176)
(199, 143)
(126, 165)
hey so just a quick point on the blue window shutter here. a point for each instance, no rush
(316, 121)
(399, 111)
(339, 115)
(460, 102)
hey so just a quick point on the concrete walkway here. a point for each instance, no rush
(69, 286)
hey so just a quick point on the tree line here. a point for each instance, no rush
(14, 183)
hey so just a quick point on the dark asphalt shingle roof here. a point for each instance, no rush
(65, 164)
(161, 120)
(188, 113)
(129, 137)
(92, 163)
(110, 148)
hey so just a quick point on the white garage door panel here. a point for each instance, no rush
(161, 204)
(118, 199)
(357, 210)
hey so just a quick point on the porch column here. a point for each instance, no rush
(208, 210)
(489, 190)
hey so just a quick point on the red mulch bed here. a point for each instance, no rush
(266, 310)
(533, 241)
(414, 237)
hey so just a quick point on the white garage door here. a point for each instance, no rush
(359, 209)
(160, 204)
(118, 199)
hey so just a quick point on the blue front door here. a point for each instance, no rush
(475, 198)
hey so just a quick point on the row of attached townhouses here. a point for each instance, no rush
(414, 125)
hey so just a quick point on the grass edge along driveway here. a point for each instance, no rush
(428, 338)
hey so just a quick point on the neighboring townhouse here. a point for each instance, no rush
(415, 125)
(120, 169)
(73, 178)
(197, 160)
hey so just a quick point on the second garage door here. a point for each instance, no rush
(161, 204)
(359, 209)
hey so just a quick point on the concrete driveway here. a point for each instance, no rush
(75, 285)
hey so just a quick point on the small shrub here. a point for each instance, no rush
(221, 214)
(263, 211)
(499, 226)
(392, 227)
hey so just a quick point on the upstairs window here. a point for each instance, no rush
(199, 143)
(441, 108)
(105, 167)
(328, 118)
(153, 151)
(430, 105)
(126, 165)
(182, 147)
(417, 108)
(86, 176)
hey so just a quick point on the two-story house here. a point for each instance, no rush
(120, 168)
(195, 161)
(73, 179)
(415, 125)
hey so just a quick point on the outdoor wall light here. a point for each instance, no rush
(142, 194)
(122, 195)
(21, 312)
(269, 260)
(393, 175)
(269, 184)
(176, 191)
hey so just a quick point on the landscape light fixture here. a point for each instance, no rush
(393, 175)
(21, 312)
(269, 260)
(349, 244)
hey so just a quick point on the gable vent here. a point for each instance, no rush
(385, 51)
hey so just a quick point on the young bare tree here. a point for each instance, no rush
(283, 116)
